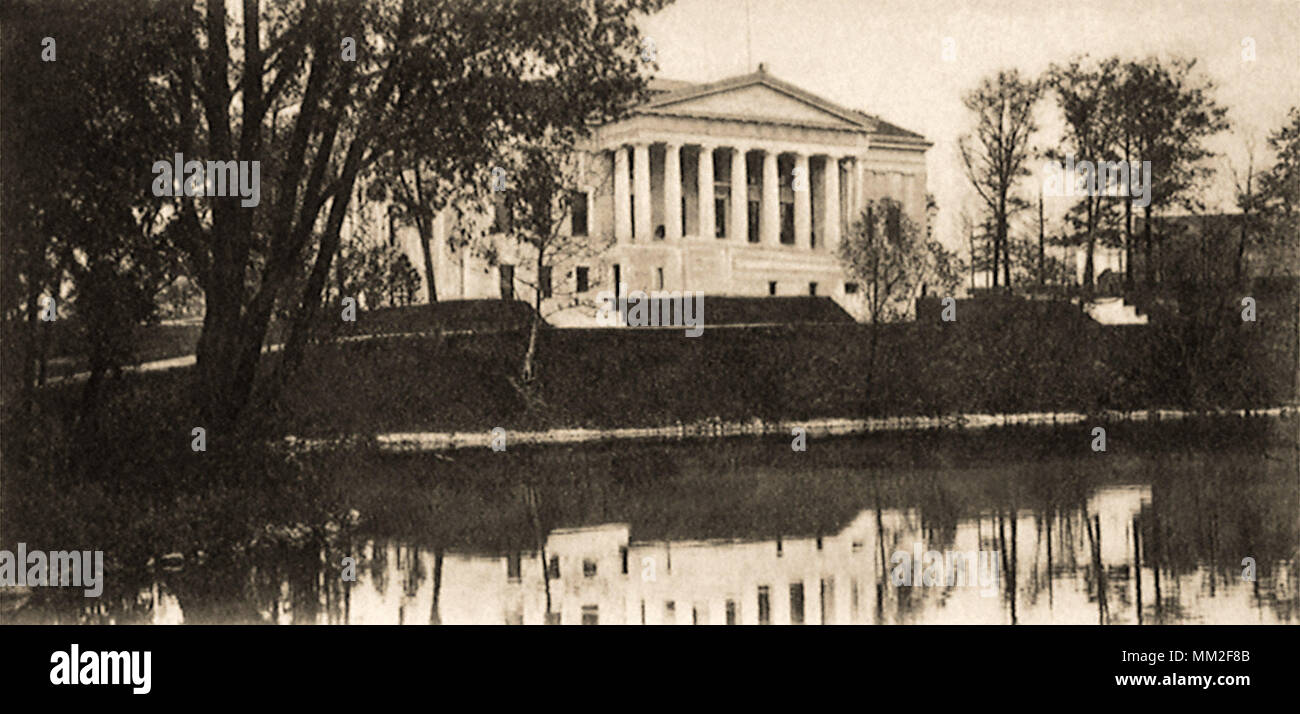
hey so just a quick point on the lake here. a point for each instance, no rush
(1185, 522)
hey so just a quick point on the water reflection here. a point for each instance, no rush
(1153, 539)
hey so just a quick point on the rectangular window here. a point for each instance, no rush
(553, 568)
(771, 290)
(796, 603)
(812, 229)
(670, 613)
(502, 220)
(578, 208)
(764, 605)
(622, 554)
(544, 281)
(513, 564)
(580, 273)
(828, 599)
(507, 281)
(787, 223)
(683, 214)
(850, 288)
(659, 278)
(731, 612)
(588, 568)
(753, 221)
(591, 614)
(720, 217)
(812, 290)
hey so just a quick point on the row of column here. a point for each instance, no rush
(769, 203)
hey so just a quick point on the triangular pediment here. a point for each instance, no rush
(758, 97)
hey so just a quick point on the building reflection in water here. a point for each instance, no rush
(1110, 559)
(1086, 566)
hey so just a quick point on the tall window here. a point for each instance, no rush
(580, 274)
(507, 281)
(764, 605)
(659, 278)
(720, 206)
(893, 223)
(787, 223)
(578, 212)
(796, 603)
(591, 614)
(753, 221)
(502, 217)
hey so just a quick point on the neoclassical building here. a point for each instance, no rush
(740, 187)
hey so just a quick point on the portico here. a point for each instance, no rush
(742, 187)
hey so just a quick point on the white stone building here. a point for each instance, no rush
(741, 187)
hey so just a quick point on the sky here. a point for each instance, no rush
(886, 57)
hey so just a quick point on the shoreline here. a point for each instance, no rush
(439, 441)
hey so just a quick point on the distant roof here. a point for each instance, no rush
(670, 91)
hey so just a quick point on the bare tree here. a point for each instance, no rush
(995, 157)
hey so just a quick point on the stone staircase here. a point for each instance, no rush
(1114, 311)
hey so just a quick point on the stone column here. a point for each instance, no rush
(770, 206)
(622, 198)
(739, 228)
(831, 192)
(802, 202)
(673, 191)
(642, 230)
(705, 178)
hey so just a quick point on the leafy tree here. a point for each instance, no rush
(82, 225)
(1163, 113)
(543, 179)
(1083, 94)
(272, 83)
(1280, 185)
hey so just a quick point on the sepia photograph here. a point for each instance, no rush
(649, 312)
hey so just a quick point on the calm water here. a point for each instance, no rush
(1152, 531)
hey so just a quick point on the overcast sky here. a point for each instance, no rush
(885, 57)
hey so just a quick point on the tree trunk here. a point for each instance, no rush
(1088, 270)
(530, 355)
(423, 224)
(1150, 268)
(1128, 226)
(430, 280)
(1042, 269)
